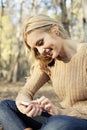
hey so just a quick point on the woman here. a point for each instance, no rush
(64, 62)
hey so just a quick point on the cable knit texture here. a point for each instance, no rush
(69, 82)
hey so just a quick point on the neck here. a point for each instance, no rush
(68, 49)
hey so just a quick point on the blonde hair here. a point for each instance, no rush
(44, 23)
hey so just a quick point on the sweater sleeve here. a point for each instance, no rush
(37, 79)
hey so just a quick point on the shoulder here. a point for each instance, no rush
(81, 55)
(82, 52)
(82, 48)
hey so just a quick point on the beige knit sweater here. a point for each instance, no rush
(69, 82)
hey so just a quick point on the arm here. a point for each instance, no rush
(33, 84)
(36, 81)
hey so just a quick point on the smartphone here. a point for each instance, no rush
(25, 103)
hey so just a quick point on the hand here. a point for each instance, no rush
(46, 105)
(31, 110)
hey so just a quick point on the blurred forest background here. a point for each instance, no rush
(14, 64)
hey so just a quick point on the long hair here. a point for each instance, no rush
(42, 22)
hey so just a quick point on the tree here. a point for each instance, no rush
(63, 14)
(13, 73)
(84, 5)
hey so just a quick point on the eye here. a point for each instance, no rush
(40, 42)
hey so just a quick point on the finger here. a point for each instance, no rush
(39, 100)
(36, 111)
(48, 107)
(28, 108)
(31, 113)
(45, 101)
(34, 101)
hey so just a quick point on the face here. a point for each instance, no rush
(45, 43)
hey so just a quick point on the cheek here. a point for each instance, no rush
(55, 47)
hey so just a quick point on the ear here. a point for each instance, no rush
(54, 29)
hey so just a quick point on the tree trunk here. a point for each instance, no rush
(64, 17)
(84, 5)
(2, 14)
(13, 74)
